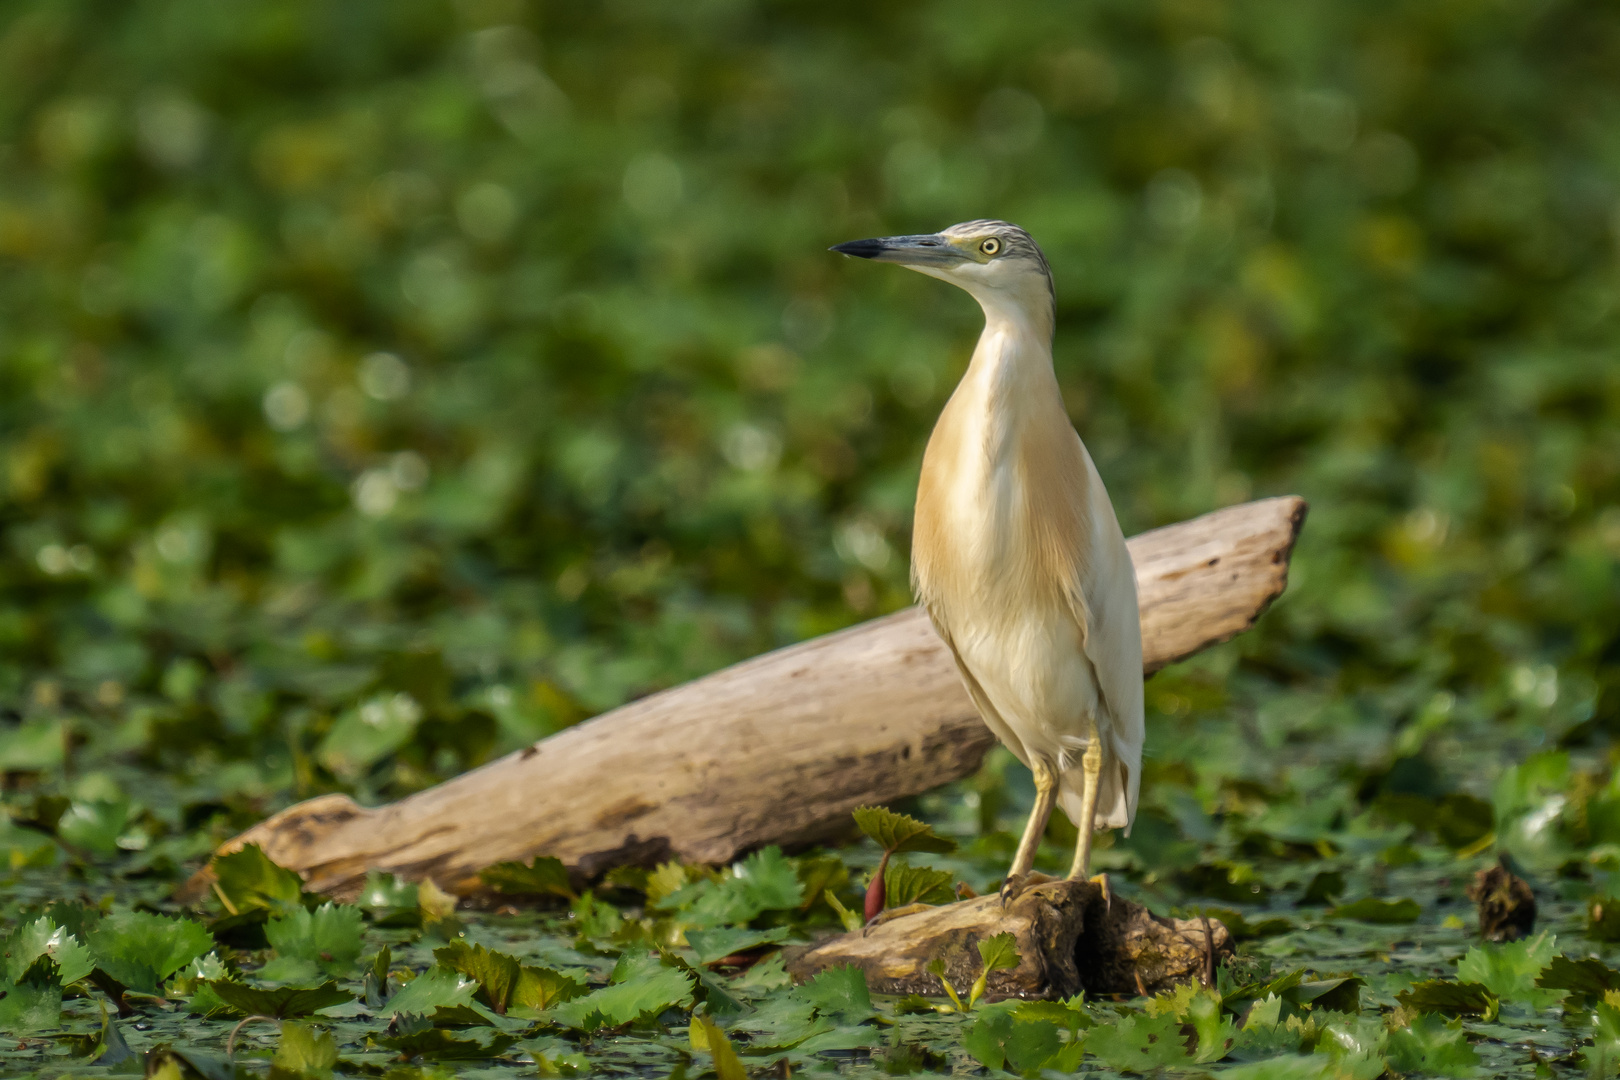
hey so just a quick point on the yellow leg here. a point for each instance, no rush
(1091, 765)
(1024, 860)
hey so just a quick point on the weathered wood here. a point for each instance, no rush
(1069, 940)
(776, 750)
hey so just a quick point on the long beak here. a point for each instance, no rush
(931, 249)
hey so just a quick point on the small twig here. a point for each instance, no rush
(1209, 951)
(230, 1040)
(219, 892)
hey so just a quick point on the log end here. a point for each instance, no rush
(291, 838)
(1069, 940)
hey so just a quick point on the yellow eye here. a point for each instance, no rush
(990, 246)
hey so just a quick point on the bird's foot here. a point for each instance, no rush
(894, 913)
(1014, 886)
(1101, 880)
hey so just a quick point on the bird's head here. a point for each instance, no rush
(997, 262)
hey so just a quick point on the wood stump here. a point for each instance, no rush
(1069, 940)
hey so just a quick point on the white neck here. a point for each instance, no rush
(1016, 342)
(1018, 315)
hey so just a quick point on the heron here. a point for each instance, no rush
(1016, 553)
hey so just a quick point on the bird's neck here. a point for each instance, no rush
(1012, 363)
(1024, 315)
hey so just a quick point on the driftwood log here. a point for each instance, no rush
(776, 750)
(1069, 940)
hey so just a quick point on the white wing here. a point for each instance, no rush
(1102, 594)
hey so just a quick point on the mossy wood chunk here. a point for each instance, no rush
(1506, 904)
(1069, 939)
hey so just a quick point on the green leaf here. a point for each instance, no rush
(1264, 1034)
(1462, 820)
(305, 1051)
(642, 985)
(904, 884)
(712, 945)
(936, 968)
(1216, 1033)
(311, 944)
(1509, 970)
(430, 990)
(32, 746)
(819, 873)
(1430, 1046)
(842, 1038)
(839, 993)
(142, 950)
(997, 953)
(1450, 998)
(1370, 910)
(390, 900)
(30, 1005)
(1325, 888)
(544, 875)
(539, 989)
(364, 735)
(374, 984)
(1355, 1045)
(1306, 1067)
(554, 1057)
(73, 958)
(1340, 993)
(1002, 1038)
(110, 1048)
(770, 880)
(1240, 927)
(596, 920)
(495, 973)
(781, 1022)
(895, 833)
(1071, 1015)
(1585, 978)
(765, 881)
(248, 880)
(1140, 1044)
(43, 937)
(165, 1062)
(1000, 953)
(851, 920)
(95, 825)
(704, 1035)
(282, 1002)
(437, 1044)
(1604, 1057)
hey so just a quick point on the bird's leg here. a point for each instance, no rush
(1091, 766)
(1024, 860)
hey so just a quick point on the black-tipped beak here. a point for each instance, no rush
(928, 250)
(861, 249)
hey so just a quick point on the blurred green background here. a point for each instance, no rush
(386, 384)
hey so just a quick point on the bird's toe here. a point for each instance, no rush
(1016, 884)
(1101, 881)
(1010, 888)
(888, 914)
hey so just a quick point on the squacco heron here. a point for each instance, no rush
(1016, 553)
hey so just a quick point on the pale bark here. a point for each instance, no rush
(1069, 940)
(775, 750)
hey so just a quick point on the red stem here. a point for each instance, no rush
(874, 891)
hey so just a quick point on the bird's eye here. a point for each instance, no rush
(990, 246)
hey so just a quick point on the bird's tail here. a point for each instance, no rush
(1114, 809)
